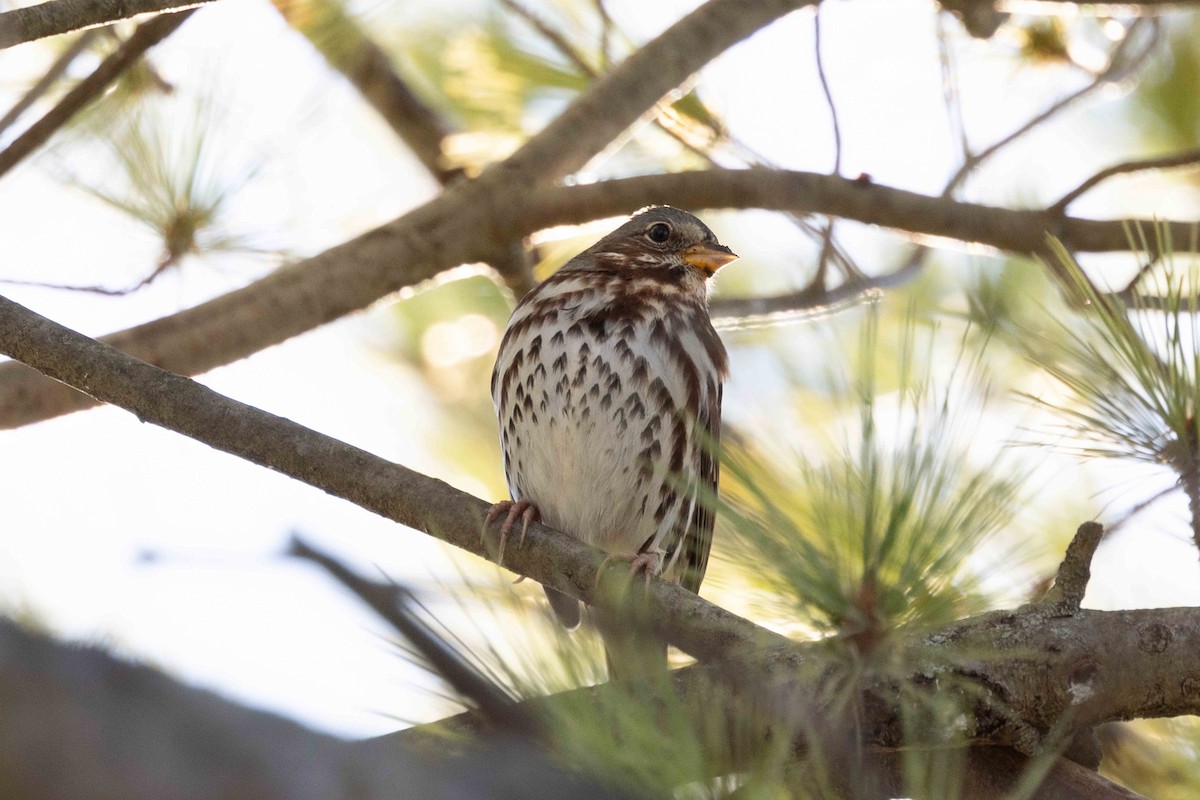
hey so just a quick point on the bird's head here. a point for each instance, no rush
(656, 238)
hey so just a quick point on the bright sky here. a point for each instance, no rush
(218, 607)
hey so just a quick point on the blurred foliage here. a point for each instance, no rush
(1131, 371)
(449, 333)
(167, 171)
(1044, 39)
(1167, 100)
(875, 536)
(1157, 758)
(643, 737)
(500, 80)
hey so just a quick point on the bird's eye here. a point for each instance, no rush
(659, 232)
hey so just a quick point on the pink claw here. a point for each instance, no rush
(648, 564)
(523, 509)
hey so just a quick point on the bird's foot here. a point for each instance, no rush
(647, 564)
(513, 510)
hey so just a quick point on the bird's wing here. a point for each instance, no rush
(698, 526)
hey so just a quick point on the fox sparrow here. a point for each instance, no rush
(608, 391)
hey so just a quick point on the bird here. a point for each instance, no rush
(607, 388)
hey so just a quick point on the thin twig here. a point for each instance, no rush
(162, 266)
(552, 35)
(1185, 158)
(818, 281)
(823, 78)
(63, 16)
(606, 32)
(1139, 507)
(393, 604)
(146, 36)
(51, 76)
(748, 312)
(950, 94)
(1120, 64)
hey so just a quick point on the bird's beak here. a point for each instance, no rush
(708, 258)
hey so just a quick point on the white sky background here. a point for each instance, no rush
(219, 608)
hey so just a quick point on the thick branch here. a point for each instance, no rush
(79, 723)
(416, 247)
(1092, 666)
(994, 773)
(146, 36)
(63, 16)
(1101, 665)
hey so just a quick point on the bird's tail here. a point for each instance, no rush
(566, 608)
(632, 653)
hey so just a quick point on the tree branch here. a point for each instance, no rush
(418, 246)
(63, 16)
(1185, 158)
(390, 490)
(79, 723)
(1091, 666)
(146, 36)
(1101, 665)
(995, 773)
(618, 99)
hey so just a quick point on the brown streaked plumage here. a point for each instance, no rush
(607, 389)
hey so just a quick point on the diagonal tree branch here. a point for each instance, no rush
(427, 241)
(622, 96)
(1090, 666)
(1088, 661)
(63, 16)
(146, 36)
(390, 490)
